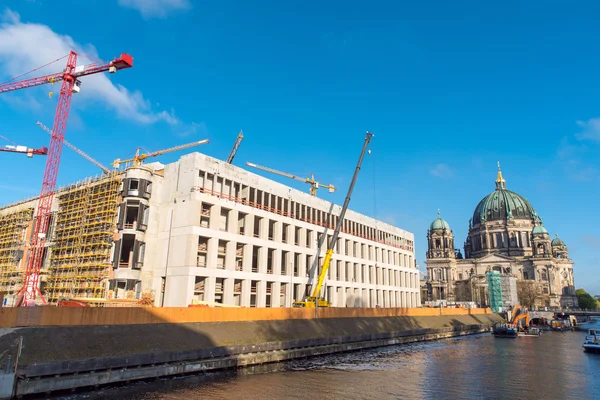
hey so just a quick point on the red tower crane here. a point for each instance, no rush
(70, 84)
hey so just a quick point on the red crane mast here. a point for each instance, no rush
(70, 83)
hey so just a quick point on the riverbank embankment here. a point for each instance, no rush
(66, 348)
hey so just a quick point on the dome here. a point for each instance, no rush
(502, 204)
(557, 242)
(539, 229)
(439, 224)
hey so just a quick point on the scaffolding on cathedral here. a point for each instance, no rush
(79, 263)
(13, 241)
(495, 289)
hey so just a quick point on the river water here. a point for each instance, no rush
(552, 366)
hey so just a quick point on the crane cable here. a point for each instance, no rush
(35, 69)
(8, 140)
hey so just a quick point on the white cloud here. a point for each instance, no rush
(156, 8)
(591, 130)
(442, 171)
(591, 240)
(25, 46)
(572, 158)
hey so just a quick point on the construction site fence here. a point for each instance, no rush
(74, 316)
(292, 215)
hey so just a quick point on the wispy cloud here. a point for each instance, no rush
(199, 129)
(590, 130)
(25, 46)
(442, 171)
(156, 8)
(591, 240)
(572, 158)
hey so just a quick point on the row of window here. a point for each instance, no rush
(235, 191)
(500, 240)
(278, 231)
(283, 262)
(266, 292)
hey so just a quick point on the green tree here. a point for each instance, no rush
(585, 299)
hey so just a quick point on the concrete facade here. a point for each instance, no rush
(200, 230)
(225, 235)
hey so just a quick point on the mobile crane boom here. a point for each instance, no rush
(315, 300)
(235, 147)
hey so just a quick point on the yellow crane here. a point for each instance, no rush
(315, 299)
(236, 146)
(314, 185)
(138, 159)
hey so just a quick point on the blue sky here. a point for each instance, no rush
(448, 89)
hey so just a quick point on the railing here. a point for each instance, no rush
(292, 215)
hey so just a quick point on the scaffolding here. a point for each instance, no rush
(495, 289)
(13, 240)
(79, 262)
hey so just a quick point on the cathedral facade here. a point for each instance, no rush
(505, 235)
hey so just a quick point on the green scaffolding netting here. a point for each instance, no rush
(495, 289)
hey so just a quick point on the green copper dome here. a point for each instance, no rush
(502, 204)
(439, 224)
(557, 242)
(539, 229)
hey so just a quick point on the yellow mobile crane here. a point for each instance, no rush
(316, 300)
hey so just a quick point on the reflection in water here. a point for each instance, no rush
(475, 367)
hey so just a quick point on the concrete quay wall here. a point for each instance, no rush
(11, 317)
(66, 357)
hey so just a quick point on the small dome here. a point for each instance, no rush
(557, 242)
(439, 224)
(539, 229)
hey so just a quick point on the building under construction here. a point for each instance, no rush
(201, 230)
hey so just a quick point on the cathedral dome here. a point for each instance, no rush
(502, 204)
(557, 242)
(539, 229)
(439, 224)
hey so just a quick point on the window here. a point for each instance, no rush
(202, 251)
(134, 184)
(224, 220)
(142, 253)
(126, 251)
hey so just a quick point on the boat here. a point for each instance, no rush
(592, 341)
(505, 331)
(531, 332)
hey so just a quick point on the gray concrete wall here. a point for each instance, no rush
(6, 385)
(106, 354)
